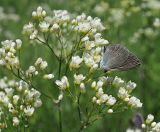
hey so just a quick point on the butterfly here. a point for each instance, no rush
(137, 121)
(118, 58)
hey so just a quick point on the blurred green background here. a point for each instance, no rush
(128, 22)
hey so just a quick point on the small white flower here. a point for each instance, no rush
(118, 82)
(29, 111)
(100, 92)
(99, 84)
(44, 26)
(9, 91)
(54, 27)
(60, 97)
(43, 65)
(104, 98)
(63, 83)
(135, 102)
(93, 85)
(37, 103)
(18, 43)
(75, 62)
(110, 111)
(89, 45)
(15, 99)
(15, 121)
(153, 124)
(48, 76)
(82, 87)
(38, 62)
(143, 126)
(122, 93)
(111, 101)
(156, 22)
(98, 101)
(33, 35)
(61, 16)
(149, 119)
(130, 86)
(85, 39)
(28, 29)
(78, 78)
(94, 99)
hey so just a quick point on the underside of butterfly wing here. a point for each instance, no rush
(131, 62)
(114, 56)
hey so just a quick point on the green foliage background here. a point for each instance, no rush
(147, 49)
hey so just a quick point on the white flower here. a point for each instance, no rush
(48, 76)
(15, 121)
(94, 99)
(99, 41)
(135, 102)
(31, 71)
(28, 29)
(61, 16)
(153, 124)
(111, 101)
(10, 107)
(82, 87)
(63, 83)
(37, 103)
(75, 62)
(96, 23)
(149, 119)
(89, 45)
(29, 110)
(38, 62)
(130, 86)
(15, 99)
(60, 97)
(104, 98)
(110, 111)
(99, 84)
(122, 93)
(88, 59)
(78, 78)
(156, 22)
(118, 82)
(39, 13)
(44, 26)
(85, 39)
(18, 43)
(83, 27)
(43, 65)
(93, 85)
(100, 92)
(143, 126)
(54, 27)
(9, 91)
(33, 35)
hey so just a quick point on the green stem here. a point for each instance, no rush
(79, 110)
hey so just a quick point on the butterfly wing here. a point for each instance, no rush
(137, 121)
(114, 56)
(131, 62)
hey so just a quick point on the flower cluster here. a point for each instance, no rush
(150, 124)
(124, 92)
(101, 97)
(77, 45)
(84, 33)
(8, 56)
(18, 102)
(38, 66)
